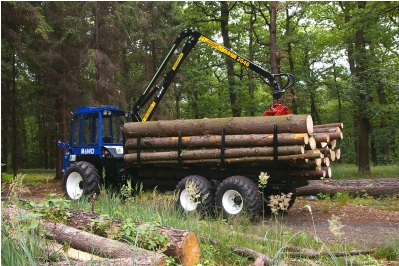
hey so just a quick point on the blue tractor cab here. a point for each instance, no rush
(94, 154)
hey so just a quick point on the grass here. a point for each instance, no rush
(268, 236)
(350, 171)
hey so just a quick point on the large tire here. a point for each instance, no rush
(81, 180)
(236, 195)
(194, 194)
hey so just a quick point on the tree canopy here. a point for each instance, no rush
(56, 56)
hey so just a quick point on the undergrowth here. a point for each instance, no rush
(22, 245)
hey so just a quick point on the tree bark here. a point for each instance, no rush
(283, 139)
(371, 187)
(241, 160)
(232, 126)
(214, 153)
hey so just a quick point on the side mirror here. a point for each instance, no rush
(60, 144)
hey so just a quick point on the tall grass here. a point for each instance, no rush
(268, 235)
(350, 171)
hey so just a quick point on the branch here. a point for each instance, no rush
(298, 252)
(260, 258)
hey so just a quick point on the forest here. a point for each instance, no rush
(57, 56)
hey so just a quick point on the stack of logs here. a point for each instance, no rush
(290, 140)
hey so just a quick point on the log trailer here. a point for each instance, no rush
(209, 162)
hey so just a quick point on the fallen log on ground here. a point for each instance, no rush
(91, 243)
(182, 244)
(61, 252)
(215, 126)
(299, 252)
(371, 187)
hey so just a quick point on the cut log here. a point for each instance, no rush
(308, 164)
(326, 129)
(309, 174)
(337, 154)
(339, 125)
(214, 126)
(312, 144)
(336, 135)
(321, 137)
(328, 171)
(91, 243)
(322, 144)
(67, 252)
(326, 161)
(251, 140)
(331, 155)
(183, 244)
(371, 187)
(214, 153)
(258, 159)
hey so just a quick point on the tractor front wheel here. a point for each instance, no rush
(81, 180)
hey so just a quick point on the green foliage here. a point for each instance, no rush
(144, 236)
(105, 53)
(53, 209)
(389, 250)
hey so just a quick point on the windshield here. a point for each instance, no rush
(112, 127)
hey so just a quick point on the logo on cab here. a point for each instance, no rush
(87, 151)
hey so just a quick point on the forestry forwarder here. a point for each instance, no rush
(94, 156)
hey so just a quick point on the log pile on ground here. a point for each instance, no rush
(262, 142)
(182, 244)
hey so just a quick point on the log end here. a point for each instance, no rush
(309, 125)
(191, 250)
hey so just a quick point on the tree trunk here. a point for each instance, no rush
(224, 23)
(294, 100)
(371, 187)
(274, 66)
(91, 243)
(232, 126)
(251, 85)
(15, 147)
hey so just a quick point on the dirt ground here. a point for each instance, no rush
(364, 225)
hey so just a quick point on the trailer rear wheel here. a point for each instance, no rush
(81, 179)
(194, 194)
(238, 194)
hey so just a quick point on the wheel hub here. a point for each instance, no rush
(187, 202)
(74, 185)
(232, 202)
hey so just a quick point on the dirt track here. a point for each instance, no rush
(363, 225)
